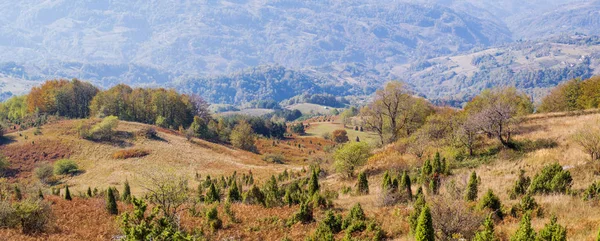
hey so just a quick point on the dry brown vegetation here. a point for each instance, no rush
(173, 152)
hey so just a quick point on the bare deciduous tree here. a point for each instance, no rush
(588, 137)
(167, 190)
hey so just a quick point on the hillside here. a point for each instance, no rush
(532, 66)
(170, 153)
(173, 153)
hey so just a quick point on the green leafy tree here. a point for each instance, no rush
(471, 192)
(552, 231)
(67, 193)
(487, 234)
(362, 186)
(424, 231)
(351, 156)
(242, 136)
(525, 232)
(111, 202)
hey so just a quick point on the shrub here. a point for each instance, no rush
(452, 217)
(111, 202)
(552, 231)
(592, 192)
(126, 196)
(424, 231)
(332, 222)
(8, 217)
(65, 167)
(551, 179)
(487, 234)
(303, 215)
(105, 129)
(254, 196)
(326, 136)
(313, 183)
(340, 136)
(491, 202)
(471, 192)
(67, 194)
(212, 217)
(362, 187)
(34, 215)
(405, 184)
(212, 195)
(147, 133)
(274, 158)
(44, 172)
(413, 218)
(131, 153)
(298, 128)
(234, 194)
(356, 215)
(4, 164)
(521, 185)
(525, 232)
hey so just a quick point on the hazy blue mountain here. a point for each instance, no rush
(345, 47)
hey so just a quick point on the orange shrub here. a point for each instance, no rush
(131, 153)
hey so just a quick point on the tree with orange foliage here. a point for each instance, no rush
(340, 136)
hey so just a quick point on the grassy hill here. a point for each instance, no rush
(173, 153)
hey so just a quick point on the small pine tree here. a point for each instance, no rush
(212, 195)
(363, 184)
(528, 203)
(234, 193)
(434, 184)
(491, 202)
(67, 194)
(386, 184)
(89, 192)
(18, 195)
(471, 192)
(525, 232)
(521, 185)
(40, 194)
(552, 231)
(437, 163)
(426, 171)
(126, 192)
(111, 202)
(357, 139)
(487, 234)
(405, 183)
(413, 218)
(313, 183)
(424, 231)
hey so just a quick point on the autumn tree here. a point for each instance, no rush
(340, 136)
(394, 112)
(563, 97)
(242, 136)
(496, 112)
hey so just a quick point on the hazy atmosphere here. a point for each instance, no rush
(300, 120)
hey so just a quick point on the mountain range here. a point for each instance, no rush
(237, 50)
